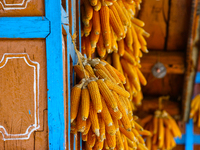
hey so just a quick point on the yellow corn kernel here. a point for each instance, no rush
(121, 47)
(80, 72)
(127, 85)
(129, 58)
(116, 61)
(131, 74)
(144, 49)
(94, 120)
(75, 100)
(125, 120)
(100, 66)
(101, 74)
(124, 139)
(91, 139)
(115, 25)
(111, 140)
(100, 46)
(110, 129)
(102, 128)
(141, 40)
(112, 72)
(88, 29)
(93, 39)
(89, 69)
(116, 88)
(105, 114)
(88, 9)
(119, 142)
(83, 17)
(115, 114)
(98, 6)
(85, 103)
(98, 145)
(96, 23)
(88, 47)
(121, 14)
(84, 137)
(95, 95)
(136, 44)
(88, 125)
(105, 25)
(107, 94)
(93, 2)
(128, 134)
(109, 59)
(81, 124)
(129, 38)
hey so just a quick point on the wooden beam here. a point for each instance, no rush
(191, 63)
(150, 104)
(173, 61)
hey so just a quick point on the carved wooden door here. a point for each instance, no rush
(34, 74)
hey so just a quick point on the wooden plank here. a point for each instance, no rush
(191, 59)
(24, 27)
(41, 137)
(16, 8)
(154, 14)
(179, 147)
(178, 24)
(2, 143)
(173, 61)
(20, 144)
(36, 51)
(196, 147)
(55, 77)
(169, 85)
(150, 104)
(19, 90)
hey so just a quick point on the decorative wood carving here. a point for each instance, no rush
(19, 96)
(17, 4)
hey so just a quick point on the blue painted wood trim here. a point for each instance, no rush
(197, 79)
(189, 135)
(64, 17)
(180, 141)
(24, 27)
(55, 82)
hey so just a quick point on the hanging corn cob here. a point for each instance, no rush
(118, 37)
(163, 129)
(195, 110)
(100, 108)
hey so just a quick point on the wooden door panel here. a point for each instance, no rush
(20, 144)
(17, 103)
(13, 8)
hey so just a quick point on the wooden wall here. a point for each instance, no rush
(168, 22)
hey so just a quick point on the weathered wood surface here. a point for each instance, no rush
(14, 8)
(19, 91)
(20, 144)
(191, 62)
(167, 22)
(171, 85)
(36, 51)
(150, 104)
(41, 137)
(173, 61)
(154, 14)
(179, 147)
(178, 24)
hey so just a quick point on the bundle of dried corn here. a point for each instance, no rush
(110, 27)
(163, 129)
(195, 110)
(101, 110)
